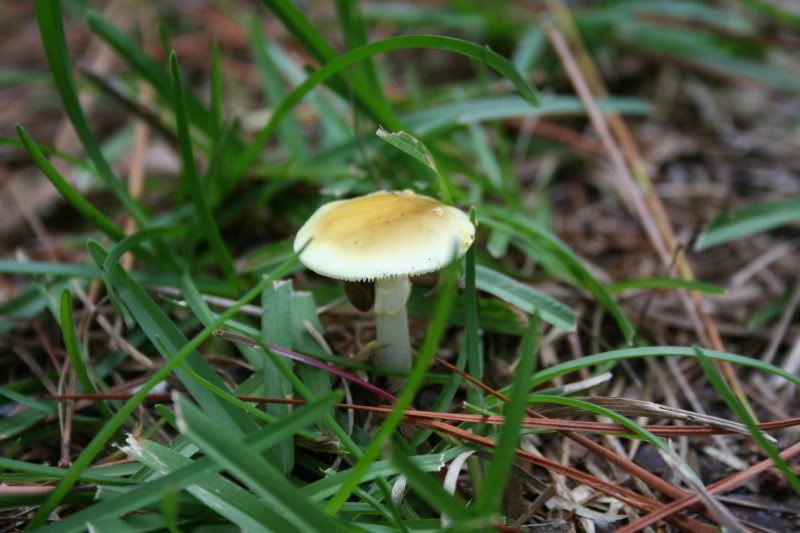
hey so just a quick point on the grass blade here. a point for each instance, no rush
(525, 297)
(502, 65)
(208, 227)
(289, 131)
(51, 28)
(253, 470)
(540, 238)
(747, 419)
(472, 346)
(74, 351)
(666, 283)
(499, 469)
(412, 146)
(215, 116)
(73, 197)
(747, 221)
(147, 68)
(547, 374)
(224, 496)
(276, 319)
(313, 41)
(160, 329)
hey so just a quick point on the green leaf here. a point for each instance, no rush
(747, 419)
(525, 297)
(475, 110)
(216, 119)
(157, 325)
(748, 220)
(276, 320)
(327, 486)
(313, 41)
(472, 346)
(412, 146)
(529, 49)
(492, 488)
(218, 493)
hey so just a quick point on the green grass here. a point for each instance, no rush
(220, 232)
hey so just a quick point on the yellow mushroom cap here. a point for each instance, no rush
(382, 235)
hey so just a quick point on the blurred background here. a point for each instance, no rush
(689, 168)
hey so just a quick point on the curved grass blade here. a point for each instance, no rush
(524, 229)
(748, 220)
(430, 488)
(73, 197)
(212, 489)
(289, 132)
(355, 35)
(502, 65)
(547, 374)
(49, 151)
(525, 297)
(157, 325)
(312, 40)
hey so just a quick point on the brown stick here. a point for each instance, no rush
(537, 422)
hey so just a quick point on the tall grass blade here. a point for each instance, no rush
(51, 29)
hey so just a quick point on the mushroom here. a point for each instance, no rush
(385, 237)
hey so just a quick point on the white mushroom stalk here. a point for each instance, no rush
(385, 237)
(391, 323)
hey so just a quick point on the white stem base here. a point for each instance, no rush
(391, 322)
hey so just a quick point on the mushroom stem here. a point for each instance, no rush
(391, 322)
